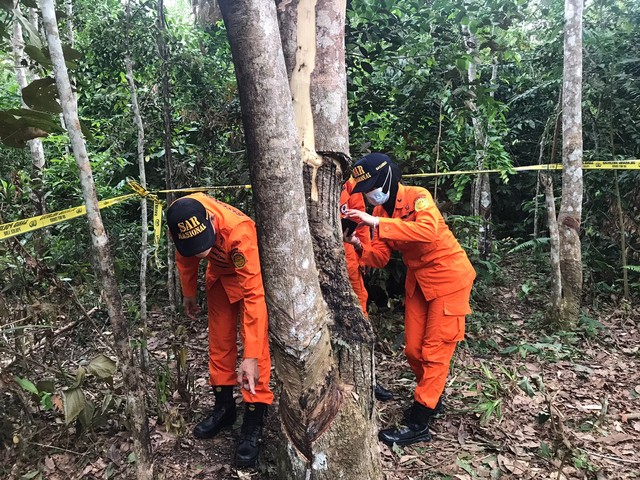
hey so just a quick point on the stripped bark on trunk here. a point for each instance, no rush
(130, 373)
(324, 410)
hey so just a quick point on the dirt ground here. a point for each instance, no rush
(520, 404)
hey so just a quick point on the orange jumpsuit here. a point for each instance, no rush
(437, 288)
(355, 201)
(234, 286)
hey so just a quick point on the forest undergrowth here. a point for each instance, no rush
(521, 403)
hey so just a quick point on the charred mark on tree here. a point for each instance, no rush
(320, 407)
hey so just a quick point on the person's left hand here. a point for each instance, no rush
(361, 217)
(248, 374)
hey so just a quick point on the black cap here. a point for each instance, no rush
(370, 172)
(190, 227)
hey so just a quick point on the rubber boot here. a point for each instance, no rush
(414, 428)
(223, 414)
(250, 434)
(381, 393)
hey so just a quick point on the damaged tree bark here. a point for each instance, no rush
(320, 338)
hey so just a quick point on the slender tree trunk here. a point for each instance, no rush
(130, 374)
(323, 414)
(68, 4)
(623, 234)
(163, 53)
(144, 219)
(481, 190)
(35, 146)
(570, 213)
(554, 239)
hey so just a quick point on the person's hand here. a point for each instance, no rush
(191, 307)
(362, 217)
(248, 374)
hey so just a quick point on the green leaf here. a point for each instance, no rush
(30, 475)
(86, 415)
(526, 387)
(80, 374)
(131, 458)
(102, 366)
(27, 26)
(42, 95)
(74, 403)
(366, 66)
(26, 385)
(37, 55)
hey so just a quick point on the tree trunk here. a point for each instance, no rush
(570, 213)
(481, 190)
(35, 146)
(144, 220)
(324, 412)
(554, 240)
(163, 53)
(130, 374)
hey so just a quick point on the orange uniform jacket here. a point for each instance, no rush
(355, 201)
(234, 261)
(434, 258)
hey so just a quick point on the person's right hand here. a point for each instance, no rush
(191, 307)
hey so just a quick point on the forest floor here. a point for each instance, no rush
(520, 403)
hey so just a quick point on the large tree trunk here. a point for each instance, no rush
(323, 413)
(163, 52)
(570, 213)
(35, 146)
(130, 374)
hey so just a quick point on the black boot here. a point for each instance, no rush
(382, 393)
(223, 415)
(439, 411)
(250, 434)
(414, 428)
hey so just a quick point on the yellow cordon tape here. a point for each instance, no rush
(8, 230)
(11, 229)
(621, 165)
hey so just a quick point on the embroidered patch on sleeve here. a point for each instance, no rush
(421, 204)
(239, 260)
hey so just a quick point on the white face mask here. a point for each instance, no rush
(377, 196)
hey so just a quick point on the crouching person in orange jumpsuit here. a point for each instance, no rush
(202, 227)
(437, 288)
(355, 201)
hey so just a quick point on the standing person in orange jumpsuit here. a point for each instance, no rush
(355, 201)
(202, 227)
(437, 288)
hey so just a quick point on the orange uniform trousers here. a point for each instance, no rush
(432, 330)
(223, 349)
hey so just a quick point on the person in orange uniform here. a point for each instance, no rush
(355, 201)
(202, 227)
(437, 288)
(354, 269)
